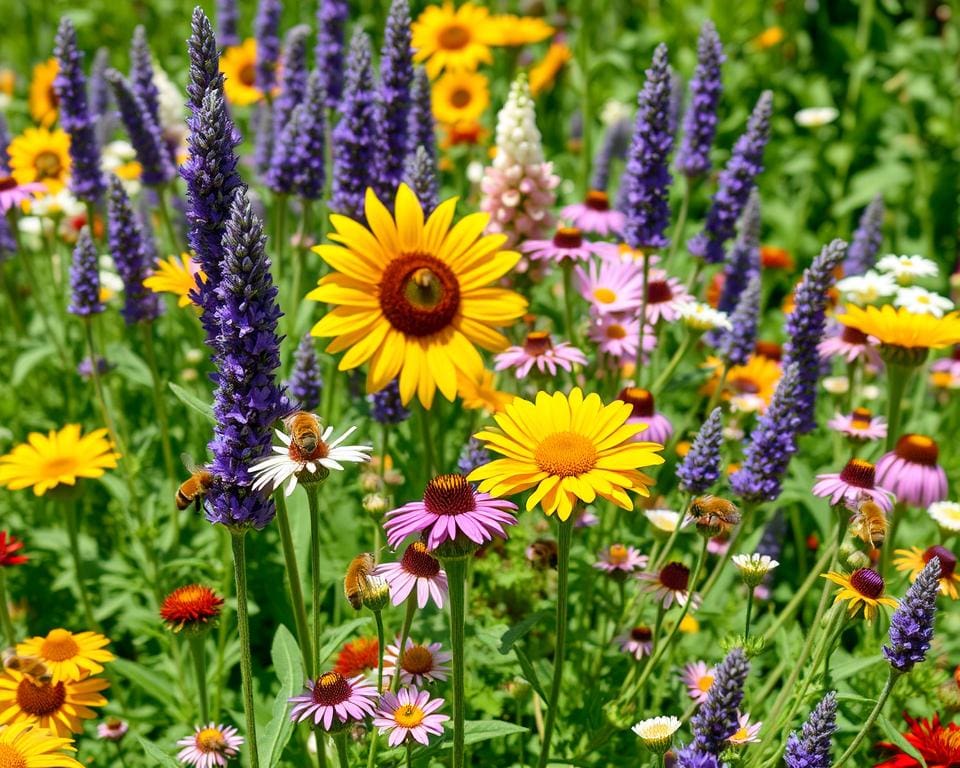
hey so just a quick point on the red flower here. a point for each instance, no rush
(193, 606)
(938, 745)
(358, 656)
(8, 546)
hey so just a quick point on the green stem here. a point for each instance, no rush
(897, 376)
(745, 521)
(667, 372)
(298, 258)
(899, 510)
(315, 568)
(871, 719)
(428, 462)
(563, 576)
(409, 754)
(681, 222)
(746, 627)
(791, 608)
(6, 623)
(404, 634)
(280, 223)
(293, 576)
(165, 217)
(567, 266)
(163, 418)
(122, 760)
(341, 741)
(378, 616)
(222, 630)
(199, 654)
(718, 390)
(73, 534)
(456, 568)
(243, 624)
(668, 547)
(643, 318)
(586, 109)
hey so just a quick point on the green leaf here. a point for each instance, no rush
(151, 683)
(27, 361)
(530, 673)
(157, 756)
(334, 637)
(192, 402)
(475, 731)
(897, 738)
(521, 629)
(286, 657)
(850, 667)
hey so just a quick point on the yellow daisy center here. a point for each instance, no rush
(247, 75)
(616, 331)
(40, 699)
(11, 757)
(58, 466)
(604, 295)
(597, 200)
(565, 454)
(657, 731)
(618, 554)
(47, 165)
(861, 418)
(453, 37)
(59, 645)
(419, 294)
(417, 660)
(705, 683)
(409, 716)
(211, 740)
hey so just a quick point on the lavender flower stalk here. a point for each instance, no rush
(129, 252)
(311, 126)
(740, 341)
(266, 30)
(394, 101)
(772, 444)
(422, 178)
(616, 141)
(353, 139)
(691, 757)
(472, 455)
(101, 101)
(646, 180)
(421, 128)
(204, 60)
(743, 261)
(811, 747)
(85, 278)
(262, 127)
(867, 239)
(716, 720)
(86, 179)
(144, 133)
(247, 400)
(701, 466)
(227, 22)
(293, 77)
(332, 18)
(141, 74)
(736, 180)
(386, 407)
(911, 626)
(305, 382)
(700, 121)
(805, 328)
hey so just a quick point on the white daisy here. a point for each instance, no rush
(867, 288)
(702, 317)
(814, 117)
(290, 461)
(665, 520)
(754, 567)
(907, 268)
(656, 733)
(922, 302)
(946, 514)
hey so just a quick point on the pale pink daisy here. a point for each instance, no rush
(595, 215)
(949, 366)
(718, 545)
(665, 296)
(659, 429)
(568, 244)
(12, 193)
(611, 286)
(409, 714)
(332, 697)
(416, 569)
(209, 746)
(858, 477)
(698, 678)
(638, 642)
(911, 471)
(586, 519)
(540, 351)
(859, 425)
(618, 558)
(112, 729)
(420, 663)
(671, 584)
(747, 732)
(849, 344)
(617, 337)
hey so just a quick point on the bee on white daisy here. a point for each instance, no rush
(905, 269)
(920, 301)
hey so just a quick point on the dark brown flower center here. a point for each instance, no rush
(675, 577)
(658, 292)
(417, 660)
(918, 449)
(853, 336)
(7, 182)
(449, 495)
(460, 98)
(248, 75)
(641, 400)
(597, 200)
(568, 237)
(453, 37)
(859, 473)
(419, 562)
(38, 698)
(867, 582)
(419, 294)
(744, 385)
(948, 560)
(47, 165)
(641, 634)
(331, 689)
(861, 418)
(769, 349)
(537, 343)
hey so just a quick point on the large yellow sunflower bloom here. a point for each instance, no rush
(46, 461)
(41, 155)
(68, 656)
(412, 297)
(448, 38)
(60, 707)
(902, 328)
(570, 448)
(43, 99)
(25, 746)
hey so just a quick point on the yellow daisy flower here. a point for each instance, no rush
(770, 37)
(8, 81)
(60, 707)
(41, 155)
(43, 100)
(57, 458)
(750, 386)
(570, 449)
(914, 560)
(511, 30)
(460, 97)
(238, 64)
(24, 746)
(863, 586)
(482, 393)
(902, 328)
(448, 38)
(67, 656)
(413, 297)
(176, 275)
(544, 72)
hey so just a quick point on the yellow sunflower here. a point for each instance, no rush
(864, 586)
(448, 38)
(176, 275)
(511, 30)
(569, 448)
(915, 559)
(460, 97)
(238, 64)
(60, 707)
(482, 393)
(68, 657)
(413, 297)
(544, 73)
(24, 746)
(902, 328)
(41, 155)
(57, 458)
(43, 98)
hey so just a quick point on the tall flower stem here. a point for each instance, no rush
(897, 378)
(643, 318)
(73, 533)
(871, 718)
(341, 741)
(428, 453)
(667, 372)
(681, 222)
(312, 489)
(6, 623)
(812, 578)
(899, 511)
(564, 541)
(668, 547)
(404, 634)
(746, 623)
(98, 389)
(298, 259)
(163, 418)
(456, 568)
(378, 616)
(243, 624)
(568, 322)
(293, 576)
(586, 109)
(280, 223)
(165, 216)
(198, 651)
(745, 521)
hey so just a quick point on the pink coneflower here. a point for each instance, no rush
(638, 642)
(586, 519)
(211, 745)
(718, 545)
(332, 696)
(665, 295)
(948, 369)
(409, 713)
(417, 568)
(849, 345)
(539, 350)
(747, 732)
(567, 244)
(621, 559)
(112, 729)
(420, 663)
(595, 215)
(617, 336)
(451, 507)
(611, 286)
(858, 477)
(671, 584)
(859, 425)
(12, 194)
(911, 471)
(698, 678)
(659, 427)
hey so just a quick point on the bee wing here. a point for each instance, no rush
(188, 462)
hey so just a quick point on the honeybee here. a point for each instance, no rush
(869, 523)
(304, 429)
(355, 581)
(542, 554)
(194, 488)
(714, 513)
(28, 665)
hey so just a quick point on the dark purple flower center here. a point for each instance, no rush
(449, 495)
(675, 577)
(597, 200)
(419, 294)
(641, 400)
(419, 562)
(641, 634)
(853, 336)
(861, 418)
(658, 292)
(7, 182)
(948, 560)
(568, 237)
(918, 449)
(859, 473)
(867, 582)
(537, 343)
(331, 689)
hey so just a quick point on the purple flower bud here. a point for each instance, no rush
(8, 245)
(293, 77)
(716, 720)
(262, 127)
(204, 60)
(85, 278)
(472, 455)
(266, 30)
(911, 626)
(332, 18)
(422, 178)
(130, 255)
(144, 133)
(141, 74)
(701, 466)
(811, 747)
(227, 21)
(386, 407)
(691, 757)
(743, 261)
(867, 239)
(421, 129)
(305, 382)
(311, 146)
(616, 141)
(100, 99)
(740, 341)
(700, 122)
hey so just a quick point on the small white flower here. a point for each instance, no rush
(907, 268)
(946, 514)
(922, 302)
(867, 288)
(702, 317)
(657, 732)
(615, 111)
(815, 117)
(836, 385)
(475, 172)
(754, 567)
(665, 520)
(870, 392)
(733, 433)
